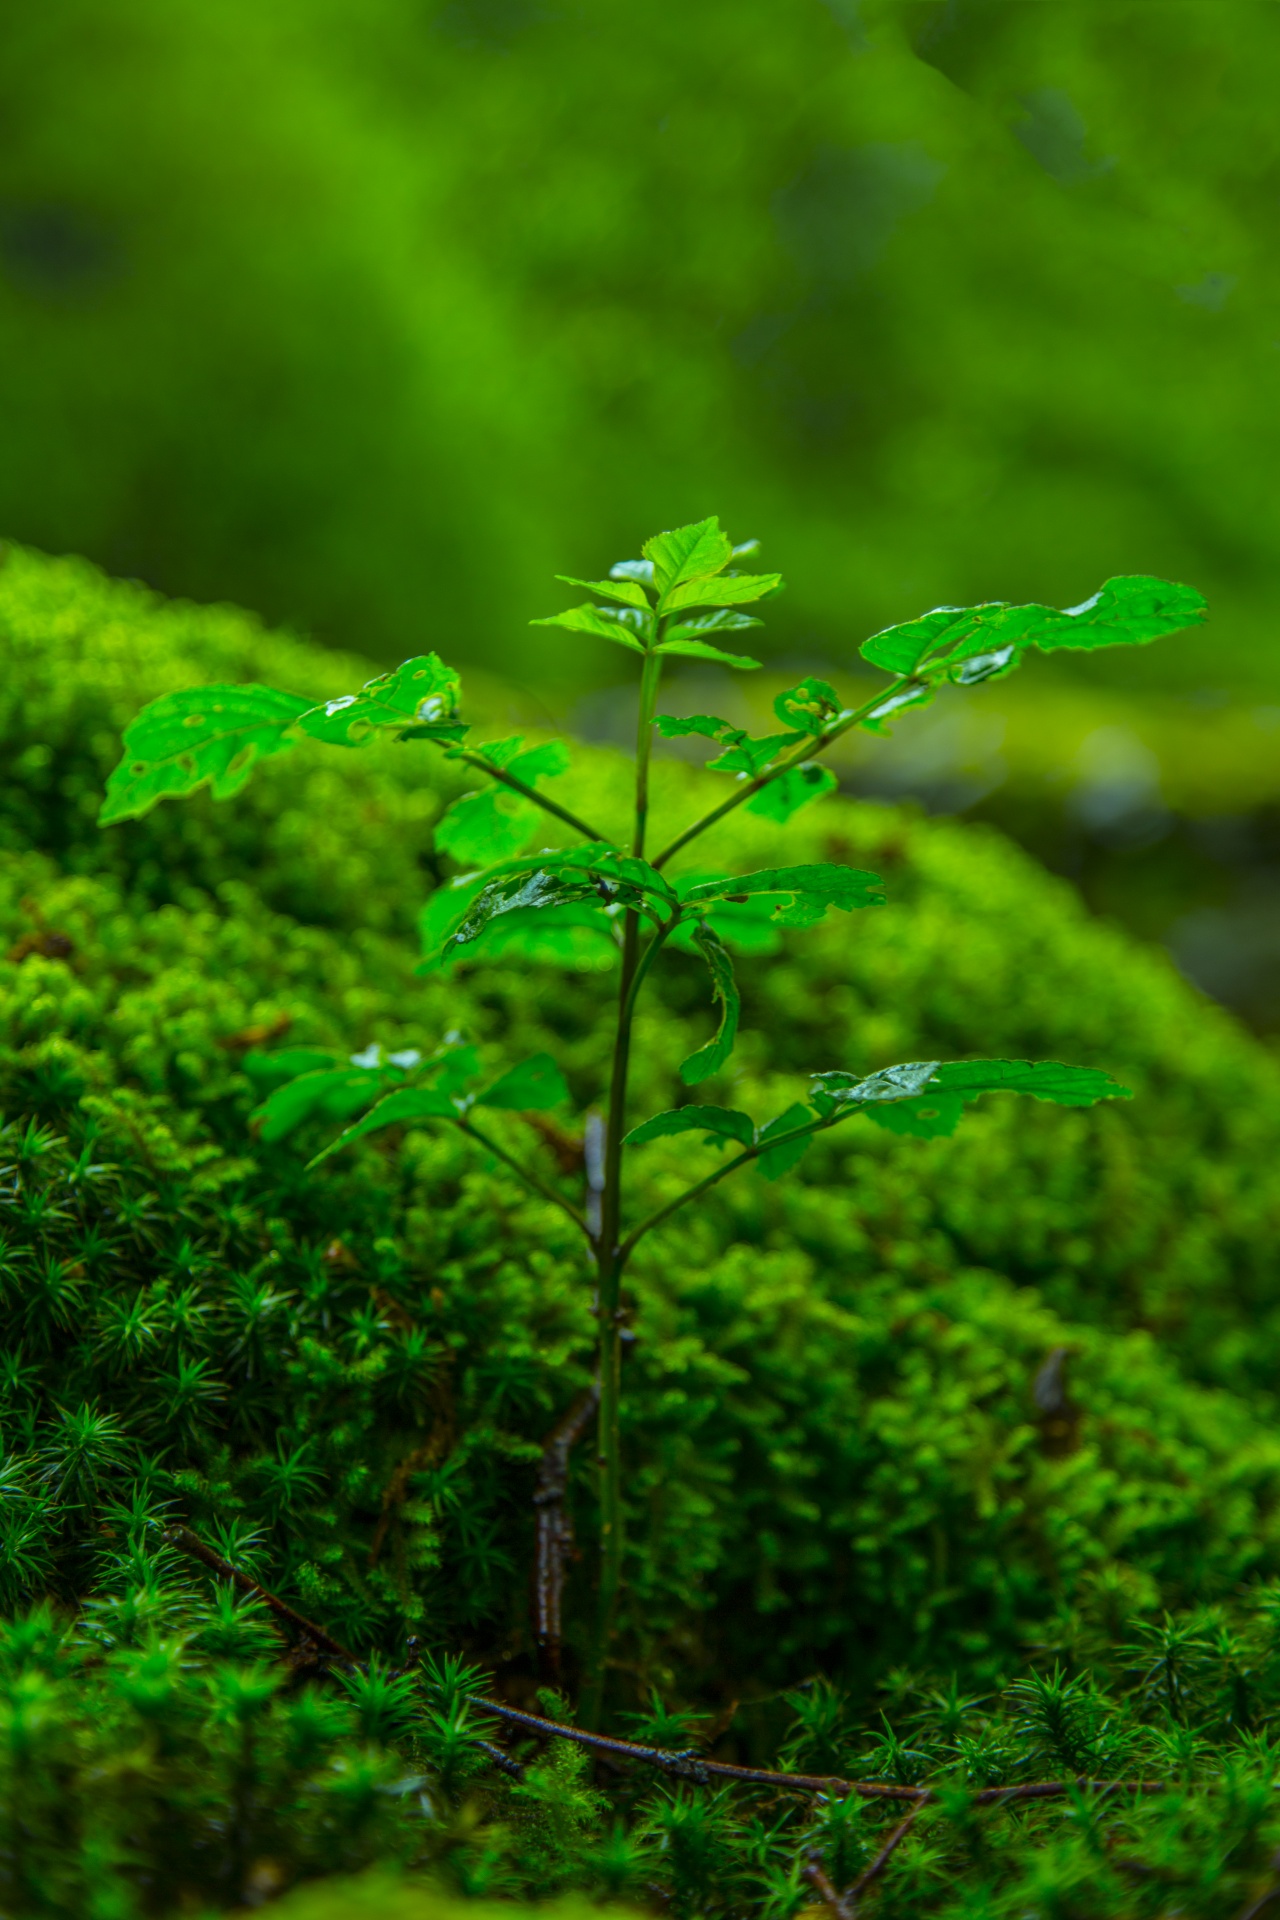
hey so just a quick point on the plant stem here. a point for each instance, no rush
(583, 827)
(531, 1180)
(743, 1159)
(815, 744)
(608, 1262)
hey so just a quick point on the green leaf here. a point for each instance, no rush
(627, 626)
(1129, 610)
(486, 826)
(723, 620)
(204, 736)
(543, 762)
(329, 1094)
(894, 706)
(1042, 1079)
(576, 937)
(809, 705)
(943, 1083)
(791, 791)
(272, 1069)
(596, 874)
(452, 1066)
(688, 553)
(753, 756)
(929, 1116)
(780, 1159)
(629, 592)
(969, 642)
(900, 649)
(533, 1086)
(706, 724)
(699, 650)
(747, 926)
(728, 590)
(810, 890)
(420, 693)
(406, 1104)
(724, 988)
(717, 1124)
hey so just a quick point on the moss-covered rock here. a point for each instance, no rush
(837, 1457)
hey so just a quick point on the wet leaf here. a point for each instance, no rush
(809, 890)
(422, 693)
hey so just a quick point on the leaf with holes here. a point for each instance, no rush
(204, 737)
(808, 891)
(791, 791)
(810, 705)
(421, 694)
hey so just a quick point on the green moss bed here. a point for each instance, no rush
(952, 1460)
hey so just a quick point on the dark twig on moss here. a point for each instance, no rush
(885, 1855)
(690, 1765)
(190, 1544)
(1268, 1896)
(814, 1872)
(555, 1529)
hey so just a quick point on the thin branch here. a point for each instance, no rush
(583, 827)
(888, 1850)
(656, 1218)
(531, 1180)
(690, 1765)
(555, 1529)
(190, 1544)
(502, 1761)
(1267, 1896)
(814, 1872)
(813, 745)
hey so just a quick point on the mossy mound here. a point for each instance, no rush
(837, 1456)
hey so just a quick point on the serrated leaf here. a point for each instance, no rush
(641, 570)
(531, 1087)
(709, 725)
(724, 989)
(717, 1124)
(626, 626)
(939, 1085)
(545, 762)
(1042, 1079)
(483, 827)
(578, 938)
(422, 692)
(725, 590)
(900, 649)
(400, 1108)
(1129, 610)
(811, 890)
(268, 1070)
(791, 791)
(699, 650)
(688, 553)
(809, 705)
(202, 737)
(623, 588)
(722, 620)
(330, 1094)
(753, 756)
(776, 1161)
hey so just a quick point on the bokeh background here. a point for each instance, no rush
(374, 316)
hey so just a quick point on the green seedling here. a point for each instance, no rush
(681, 600)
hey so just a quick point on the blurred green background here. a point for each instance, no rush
(374, 316)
